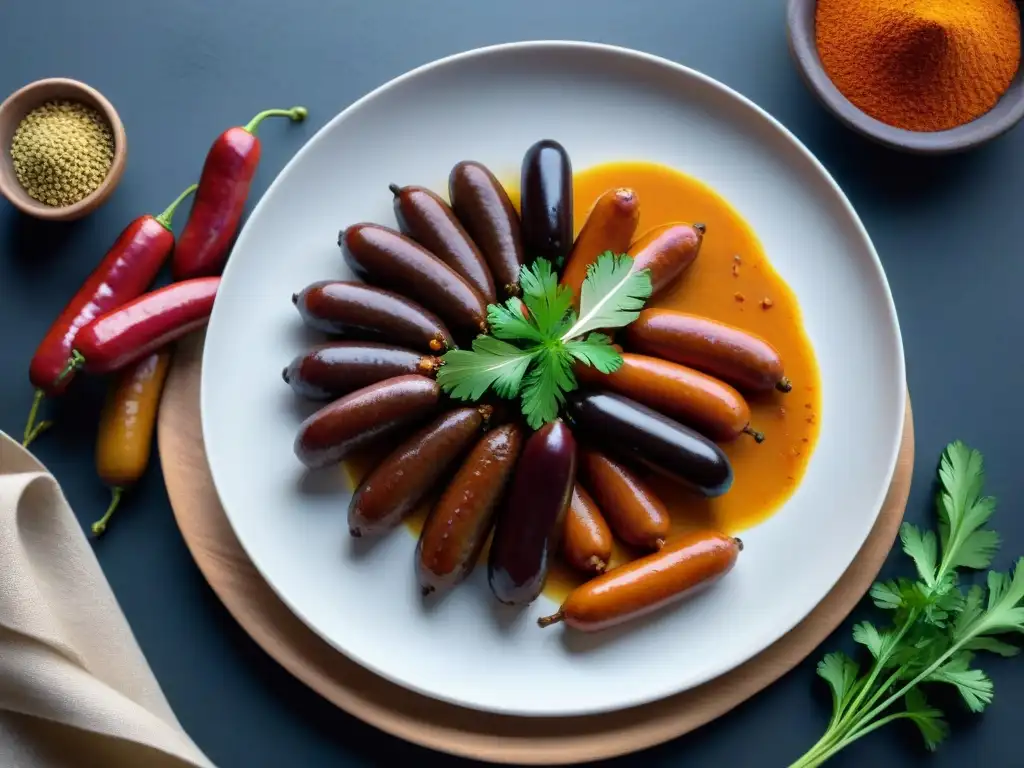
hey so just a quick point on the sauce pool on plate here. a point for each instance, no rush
(731, 281)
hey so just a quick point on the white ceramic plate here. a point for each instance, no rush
(603, 104)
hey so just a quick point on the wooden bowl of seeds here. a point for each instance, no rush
(64, 149)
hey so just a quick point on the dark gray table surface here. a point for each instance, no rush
(947, 231)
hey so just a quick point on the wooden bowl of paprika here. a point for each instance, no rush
(927, 80)
(63, 149)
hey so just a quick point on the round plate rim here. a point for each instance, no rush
(678, 69)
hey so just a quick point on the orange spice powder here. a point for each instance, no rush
(923, 65)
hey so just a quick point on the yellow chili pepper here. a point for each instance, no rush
(126, 428)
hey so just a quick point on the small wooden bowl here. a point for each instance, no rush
(802, 44)
(23, 101)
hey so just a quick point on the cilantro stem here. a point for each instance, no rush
(820, 758)
(953, 649)
(877, 666)
(846, 719)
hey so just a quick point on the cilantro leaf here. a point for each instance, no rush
(545, 384)
(992, 645)
(535, 340)
(492, 363)
(596, 351)
(970, 610)
(840, 672)
(974, 686)
(877, 643)
(1005, 595)
(612, 295)
(928, 719)
(511, 323)
(923, 549)
(888, 595)
(977, 550)
(962, 510)
(547, 301)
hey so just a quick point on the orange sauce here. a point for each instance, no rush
(731, 281)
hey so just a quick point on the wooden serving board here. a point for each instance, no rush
(445, 727)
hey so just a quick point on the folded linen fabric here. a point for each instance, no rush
(75, 689)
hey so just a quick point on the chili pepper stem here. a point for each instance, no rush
(41, 427)
(295, 113)
(75, 362)
(784, 384)
(547, 621)
(101, 525)
(33, 430)
(758, 436)
(164, 219)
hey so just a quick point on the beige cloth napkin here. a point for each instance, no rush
(75, 689)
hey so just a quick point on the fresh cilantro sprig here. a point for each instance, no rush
(535, 341)
(936, 628)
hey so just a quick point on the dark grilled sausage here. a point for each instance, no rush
(364, 416)
(484, 208)
(389, 259)
(546, 206)
(329, 371)
(394, 488)
(640, 435)
(531, 522)
(428, 220)
(361, 312)
(458, 525)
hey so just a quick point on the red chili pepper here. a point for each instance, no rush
(127, 270)
(223, 189)
(141, 327)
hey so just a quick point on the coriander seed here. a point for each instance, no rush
(62, 152)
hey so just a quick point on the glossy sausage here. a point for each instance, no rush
(457, 528)
(637, 516)
(667, 251)
(361, 312)
(363, 416)
(125, 437)
(546, 205)
(641, 435)
(685, 564)
(710, 406)
(587, 541)
(389, 259)
(329, 371)
(531, 522)
(484, 208)
(428, 220)
(610, 226)
(735, 356)
(394, 488)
